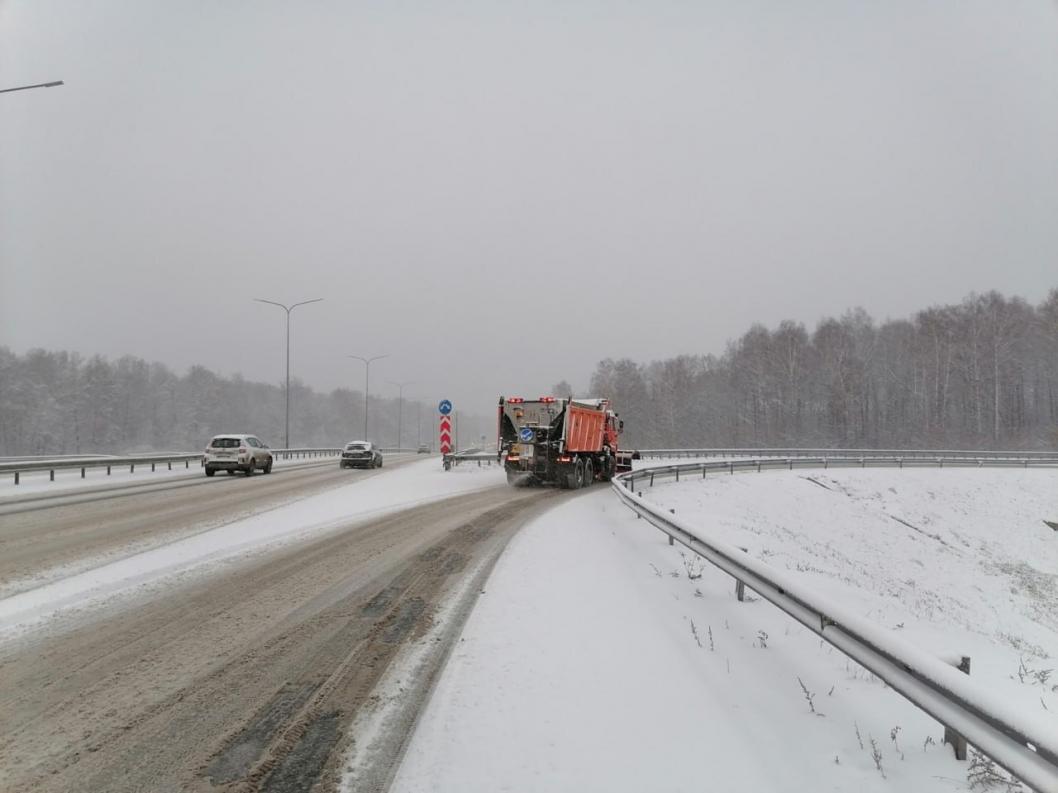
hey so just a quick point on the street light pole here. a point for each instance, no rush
(288, 309)
(367, 381)
(400, 411)
(27, 87)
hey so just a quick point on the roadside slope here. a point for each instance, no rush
(601, 658)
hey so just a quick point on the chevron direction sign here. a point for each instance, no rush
(445, 409)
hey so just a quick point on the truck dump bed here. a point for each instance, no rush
(584, 427)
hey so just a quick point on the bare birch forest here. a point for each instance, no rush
(981, 374)
(60, 403)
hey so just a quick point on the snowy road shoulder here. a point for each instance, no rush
(599, 657)
(410, 485)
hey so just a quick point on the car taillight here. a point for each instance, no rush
(565, 459)
(547, 399)
(242, 450)
(514, 400)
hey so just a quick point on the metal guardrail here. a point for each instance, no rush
(20, 467)
(295, 454)
(841, 460)
(24, 458)
(450, 460)
(1020, 742)
(904, 453)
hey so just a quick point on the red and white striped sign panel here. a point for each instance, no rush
(446, 434)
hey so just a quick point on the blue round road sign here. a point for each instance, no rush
(526, 434)
(445, 406)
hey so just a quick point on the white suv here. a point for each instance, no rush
(233, 453)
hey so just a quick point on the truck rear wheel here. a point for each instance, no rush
(576, 476)
(589, 474)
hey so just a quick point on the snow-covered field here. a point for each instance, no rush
(417, 483)
(597, 659)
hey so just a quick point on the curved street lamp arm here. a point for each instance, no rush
(52, 84)
(283, 306)
(367, 361)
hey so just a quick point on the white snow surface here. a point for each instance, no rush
(580, 670)
(399, 488)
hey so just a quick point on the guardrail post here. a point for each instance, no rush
(740, 587)
(187, 464)
(52, 474)
(16, 477)
(132, 468)
(108, 470)
(170, 464)
(732, 467)
(672, 541)
(651, 478)
(957, 741)
(677, 474)
(152, 468)
(82, 472)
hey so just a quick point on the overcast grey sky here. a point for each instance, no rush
(500, 194)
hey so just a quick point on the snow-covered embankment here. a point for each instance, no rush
(599, 659)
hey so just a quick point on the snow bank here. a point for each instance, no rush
(598, 659)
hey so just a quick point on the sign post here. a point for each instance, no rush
(445, 409)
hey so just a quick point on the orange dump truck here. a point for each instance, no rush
(568, 442)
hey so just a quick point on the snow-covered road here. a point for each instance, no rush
(241, 654)
(601, 658)
(69, 480)
(416, 483)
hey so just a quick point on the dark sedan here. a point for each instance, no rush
(360, 454)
